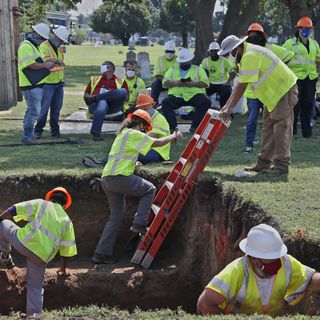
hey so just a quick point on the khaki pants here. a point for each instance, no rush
(277, 133)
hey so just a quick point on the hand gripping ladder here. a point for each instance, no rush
(176, 189)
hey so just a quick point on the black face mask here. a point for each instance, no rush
(257, 39)
(214, 55)
(185, 66)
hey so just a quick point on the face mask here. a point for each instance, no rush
(169, 55)
(271, 268)
(185, 66)
(256, 39)
(56, 42)
(143, 129)
(130, 73)
(35, 39)
(305, 32)
(214, 55)
(104, 68)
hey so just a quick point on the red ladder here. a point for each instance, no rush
(176, 189)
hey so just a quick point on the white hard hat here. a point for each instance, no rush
(230, 43)
(170, 46)
(42, 30)
(185, 55)
(214, 46)
(263, 242)
(62, 33)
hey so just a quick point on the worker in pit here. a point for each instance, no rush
(119, 180)
(48, 229)
(261, 281)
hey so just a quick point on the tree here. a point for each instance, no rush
(175, 16)
(202, 11)
(122, 18)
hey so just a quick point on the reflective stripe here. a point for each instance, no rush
(222, 71)
(224, 287)
(122, 148)
(197, 73)
(26, 58)
(208, 67)
(29, 208)
(318, 55)
(161, 129)
(68, 243)
(161, 63)
(94, 82)
(36, 54)
(287, 268)
(249, 72)
(142, 143)
(122, 156)
(295, 62)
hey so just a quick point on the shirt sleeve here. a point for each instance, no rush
(204, 64)
(160, 126)
(88, 88)
(68, 246)
(203, 76)
(26, 210)
(45, 52)
(26, 55)
(167, 77)
(229, 65)
(318, 52)
(288, 45)
(249, 68)
(157, 69)
(141, 142)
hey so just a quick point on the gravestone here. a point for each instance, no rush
(144, 64)
(131, 45)
(131, 56)
(142, 56)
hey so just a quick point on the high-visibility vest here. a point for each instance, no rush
(282, 53)
(160, 126)
(237, 283)
(219, 70)
(49, 229)
(163, 65)
(266, 74)
(303, 63)
(27, 55)
(136, 86)
(125, 151)
(57, 72)
(196, 73)
(94, 81)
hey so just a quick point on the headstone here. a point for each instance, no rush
(131, 56)
(131, 45)
(145, 70)
(142, 56)
(120, 72)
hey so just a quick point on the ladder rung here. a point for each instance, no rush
(155, 209)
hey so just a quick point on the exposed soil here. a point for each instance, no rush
(203, 240)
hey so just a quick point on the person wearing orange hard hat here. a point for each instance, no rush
(256, 35)
(306, 66)
(47, 231)
(119, 180)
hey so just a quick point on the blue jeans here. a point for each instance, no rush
(254, 106)
(113, 101)
(151, 156)
(33, 99)
(53, 99)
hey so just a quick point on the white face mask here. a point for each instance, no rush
(130, 73)
(104, 68)
(169, 55)
(232, 58)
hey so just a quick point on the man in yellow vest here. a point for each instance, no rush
(256, 35)
(306, 66)
(48, 229)
(135, 84)
(261, 281)
(33, 71)
(220, 71)
(104, 94)
(274, 84)
(53, 89)
(163, 64)
(187, 85)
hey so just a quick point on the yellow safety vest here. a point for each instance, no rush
(218, 70)
(125, 151)
(27, 55)
(160, 126)
(303, 63)
(163, 65)
(266, 74)
(57, 72)
(282, 53)
(196, 73)
(136, 86)
(49, 229)
(237, 283)
(94, 81)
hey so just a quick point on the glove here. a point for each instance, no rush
(89, 100)
(95, 184)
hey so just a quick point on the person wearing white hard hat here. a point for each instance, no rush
(262, 281)
(221, 71)
(53, 90)
(187, 85)
(162, 65)
(274, 84)
(33, 71)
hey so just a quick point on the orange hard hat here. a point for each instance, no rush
(256, 27)
(144, 100)
(305, 22)
(64, 191)
(144, 115)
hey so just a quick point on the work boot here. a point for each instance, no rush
(97, 137)
(30, 141)
(275, 171)
(255, 168)
(37, 135)
(6, 260)
(138, 228)
(104, 259)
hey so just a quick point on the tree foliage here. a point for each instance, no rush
(122, 18)
(175, 16)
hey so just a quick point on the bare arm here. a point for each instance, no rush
(37, 65)
(170, 84)
(164, 140)
(314, 284)
(232, 75)
(62, 271)
(197, 84)
(208, 302)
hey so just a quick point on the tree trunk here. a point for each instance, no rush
(184, 36)
(202, 11)
(125, 36)
(238, 17)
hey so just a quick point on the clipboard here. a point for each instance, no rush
(36, 75)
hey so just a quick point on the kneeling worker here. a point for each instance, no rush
(48, 230)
